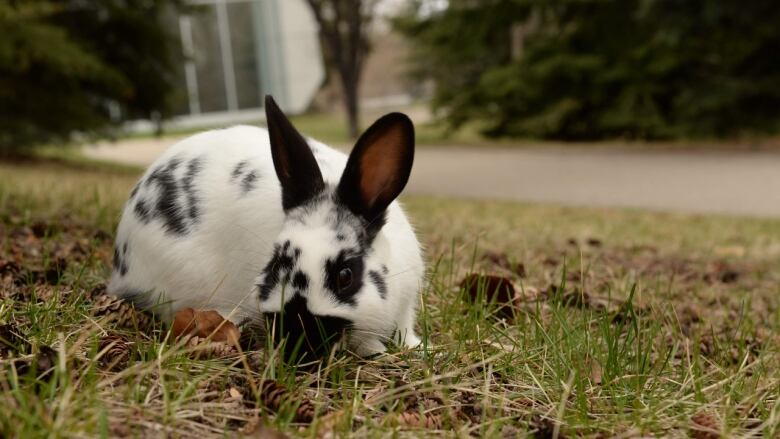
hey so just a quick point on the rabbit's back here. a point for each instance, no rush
(200, 223)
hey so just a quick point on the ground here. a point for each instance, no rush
(592, 322)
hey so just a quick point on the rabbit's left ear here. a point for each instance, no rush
(294, 162)
(378, 167)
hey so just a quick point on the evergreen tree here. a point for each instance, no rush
(65, 65)
(591, 69)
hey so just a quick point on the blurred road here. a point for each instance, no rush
(741, 183)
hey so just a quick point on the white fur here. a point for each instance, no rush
(215, 265)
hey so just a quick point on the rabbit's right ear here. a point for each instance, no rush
(378, 168)
(294, 162)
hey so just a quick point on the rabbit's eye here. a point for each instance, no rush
(345, 278)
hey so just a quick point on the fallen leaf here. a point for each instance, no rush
(204, 324)
(492, 289)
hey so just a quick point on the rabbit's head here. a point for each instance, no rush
(327, 275)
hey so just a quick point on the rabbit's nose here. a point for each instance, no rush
(305, 336)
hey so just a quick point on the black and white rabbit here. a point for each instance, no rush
(256, 223)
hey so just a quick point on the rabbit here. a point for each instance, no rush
(268, 226)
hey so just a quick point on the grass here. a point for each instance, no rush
(626, 323)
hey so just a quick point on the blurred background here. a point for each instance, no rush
(668, 105)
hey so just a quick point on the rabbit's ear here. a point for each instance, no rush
(378, 167)
(294, 162)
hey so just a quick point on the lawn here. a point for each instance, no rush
(604, 323)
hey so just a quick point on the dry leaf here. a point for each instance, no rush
(204, 324)
(494, 289)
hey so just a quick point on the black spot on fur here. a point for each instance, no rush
(384, 269)
(244, 176)
(177, 199)
(120, 259)
(345, 259)
(300, 281)
(187, 183)
(340, 237)
(307, 337)
(248, 182)
(167, 206)
(238, 170)
(142, 211)
(278, 268)
(379, 283)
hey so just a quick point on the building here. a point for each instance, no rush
(237, 51)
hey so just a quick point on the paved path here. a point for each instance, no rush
(741, 183)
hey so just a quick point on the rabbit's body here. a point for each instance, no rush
(205, 228)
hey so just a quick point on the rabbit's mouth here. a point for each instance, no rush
(306, 337)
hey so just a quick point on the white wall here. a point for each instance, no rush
(301, 54)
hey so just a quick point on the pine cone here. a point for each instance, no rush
(273, 395)
(105, 305)
(411, 418)
(123, 313)
(201, 347)
(117, 354)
